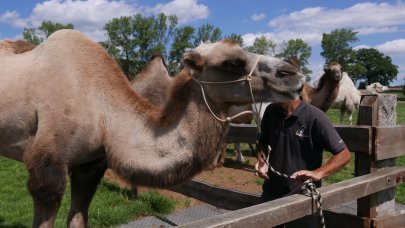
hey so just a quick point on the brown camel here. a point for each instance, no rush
(69, 109)
(323, 96)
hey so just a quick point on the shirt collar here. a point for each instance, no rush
(297, 111)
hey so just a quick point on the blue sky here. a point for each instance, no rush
(380, 24)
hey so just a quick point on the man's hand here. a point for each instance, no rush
(261, 167)
(306, 174)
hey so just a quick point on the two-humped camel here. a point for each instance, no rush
(67, 109)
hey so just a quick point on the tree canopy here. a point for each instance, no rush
(376, 67)
(262, 46)
(297, 48)
(38, 35)
(132, 40)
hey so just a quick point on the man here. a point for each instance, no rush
(297, 134)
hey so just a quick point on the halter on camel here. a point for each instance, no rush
(248, 79)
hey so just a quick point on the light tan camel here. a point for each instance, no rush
(153, 81)
(67, 108)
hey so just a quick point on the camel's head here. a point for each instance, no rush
(272, 79)
(334, 69)
(376, 87)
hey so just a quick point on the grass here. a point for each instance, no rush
(111, 205)
(348, 171)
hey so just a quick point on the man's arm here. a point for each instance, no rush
(335, 163)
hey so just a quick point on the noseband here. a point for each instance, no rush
(248, 79)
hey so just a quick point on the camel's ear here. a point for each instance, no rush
(193, 61)
(295, 61)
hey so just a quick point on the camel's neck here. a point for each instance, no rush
(176, 143)
(324, 96)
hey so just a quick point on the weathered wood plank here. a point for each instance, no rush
(296, 206)
(376, 110)
(217, 196)
(343, 220)
(389, 142)
(357, 138)
(395, 220)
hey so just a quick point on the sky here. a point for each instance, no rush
(380, 24)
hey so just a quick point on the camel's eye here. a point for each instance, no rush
(283, 73)
(234, 65)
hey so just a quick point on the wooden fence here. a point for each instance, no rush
(376, 141)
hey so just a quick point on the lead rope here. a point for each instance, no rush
(247, 79)
(308, 188)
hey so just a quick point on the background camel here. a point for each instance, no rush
(327, 89)
(71, 111)
(348, 98)
(376, 87)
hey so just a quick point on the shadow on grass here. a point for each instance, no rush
(16, 225)
(230, 163)
(115, 188)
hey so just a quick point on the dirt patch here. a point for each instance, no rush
(232, 175)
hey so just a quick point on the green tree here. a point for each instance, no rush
(262, 46)
(236, 38)
(182, 40)
(207, 33)
(38, 35)
(297, 49)
(336, 47)
(378, 67)
(133, 40)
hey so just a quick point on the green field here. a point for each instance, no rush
(111, 205)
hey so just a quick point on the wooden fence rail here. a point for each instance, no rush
(296, 206)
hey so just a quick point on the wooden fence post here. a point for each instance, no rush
(376, 110)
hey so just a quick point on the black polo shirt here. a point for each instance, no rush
(297, 143)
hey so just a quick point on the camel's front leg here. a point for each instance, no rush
(46, 183)
(84, 182)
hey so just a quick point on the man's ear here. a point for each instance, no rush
(193, 61)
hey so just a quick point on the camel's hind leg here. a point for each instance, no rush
(46, 183)
(84, 182)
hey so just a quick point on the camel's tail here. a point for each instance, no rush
(16, 47)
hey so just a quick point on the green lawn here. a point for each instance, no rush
(348, 171)
(111, 205)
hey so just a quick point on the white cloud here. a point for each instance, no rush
(281, 36)
(392, 48)
(91, 16)
(361, 46)
(365, 18)
(186, 10)
(12, 18)
(258, 17)
(86, 16)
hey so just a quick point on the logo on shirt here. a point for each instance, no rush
(302, 132)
